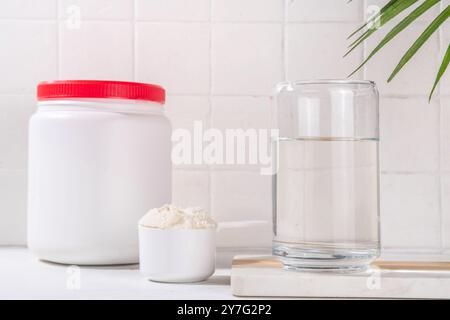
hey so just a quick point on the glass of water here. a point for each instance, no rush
(326, 188)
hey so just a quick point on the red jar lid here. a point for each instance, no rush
(97, 89)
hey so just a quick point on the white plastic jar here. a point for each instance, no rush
(99, 159)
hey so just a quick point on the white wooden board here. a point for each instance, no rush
(264, 276)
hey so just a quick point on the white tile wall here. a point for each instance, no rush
(184, 111)
(408, 81)
(246, 58)
(30, 54)
(320, 56)
(176, 55)
(13, 207)
(246, 197)
(191, 188)
(445, 41)
(240, 113)
(324, 10)
(248, 10)
(240, 195)
(410, 211)
(29, 9)
(405, 145)
(14, 114)
(173, 10)
(445, 227)
(219, 60)
(102, 50)
(98, 9)
(15, 111)
(445, 134)
(427, 17)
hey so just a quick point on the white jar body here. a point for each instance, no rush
(93, 172)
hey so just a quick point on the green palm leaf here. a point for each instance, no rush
(441, 71)
(392, 9)
(399, 28)
(386, 14)
(374, 18)
(441, 18)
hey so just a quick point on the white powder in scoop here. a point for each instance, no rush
(173, 217)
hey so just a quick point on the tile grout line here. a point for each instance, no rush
(133, 39)
(435, 173)
(441, 48)
(440, 133)
(205, 168)
(440, 205)
(220, 95)
(58, 42)
(210, 98)
(168, 21)
(284, 39)
(251, 95)
(364, 47)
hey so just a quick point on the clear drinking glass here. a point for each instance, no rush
(326, 189)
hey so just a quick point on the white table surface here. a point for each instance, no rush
(22, 276)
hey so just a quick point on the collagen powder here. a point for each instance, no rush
(173, 217)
